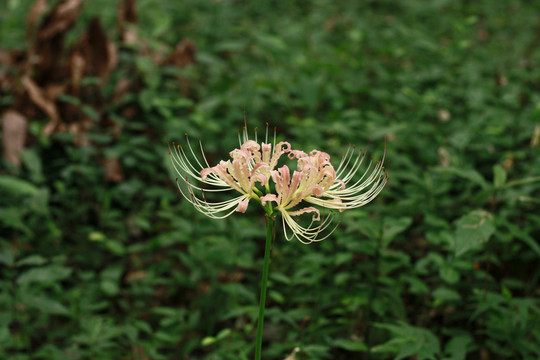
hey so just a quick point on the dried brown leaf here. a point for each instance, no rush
(49, 128)
(122, 87)
(7, 60)
(14, 128)
(130, 12)
(236, 276)
(130, 36)
(535, 139)
(126, 14)
(184, 53)
(94, 54)
(40, 99)
(113, 56)
(78, 130)
(50, 41)
(135, 275)
(61, 18)
(113, 170)
(52, 91)
(97, 49)
(77, 65)
(36, 10)
(49, 65)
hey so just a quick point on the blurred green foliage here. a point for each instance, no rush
(443, 265)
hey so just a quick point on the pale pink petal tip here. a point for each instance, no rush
(205, 172)
(316, 216)
(268, 197)
(262, 179)
(242, 206)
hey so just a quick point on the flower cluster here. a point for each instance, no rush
(253, 172)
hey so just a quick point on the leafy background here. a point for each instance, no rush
(101, 259)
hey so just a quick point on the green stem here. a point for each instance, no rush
(264, 281)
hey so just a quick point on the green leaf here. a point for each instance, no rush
(473, 230)
(33, 163)
(15, 186)
(456, 348)
(167, 337)
(47, 274)
(279, 277)
(271, 43)
(469, 174)
(223, 334)
(6, 255)
(276, 296)
(97, 236)
(416, 286)
(316, 351)
(449, 274)
(522, 235)
(143, 326)
(73, 100)
(149, 70)
(524, 181)
(109, 287)
(46, 305)
(506, 291)
(499, 176)
(39, 203)
(115, 247)
(5, 323)
(394, 226)
(13, 217)
(408, 340)
(443, 294)
(207, 341)
(91, 112)
(343, 257)
(32, 260)
(351, 345)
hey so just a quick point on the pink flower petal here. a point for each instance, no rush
(308, 209)
(205, 172)
(242, 206)
(268, 197)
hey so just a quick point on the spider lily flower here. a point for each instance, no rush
(247, 167)
(314, 181)
(338, 189)
(290, 193)
(317, 182)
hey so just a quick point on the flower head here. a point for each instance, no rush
(247, 167)
(252, 172)
(340, 190)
